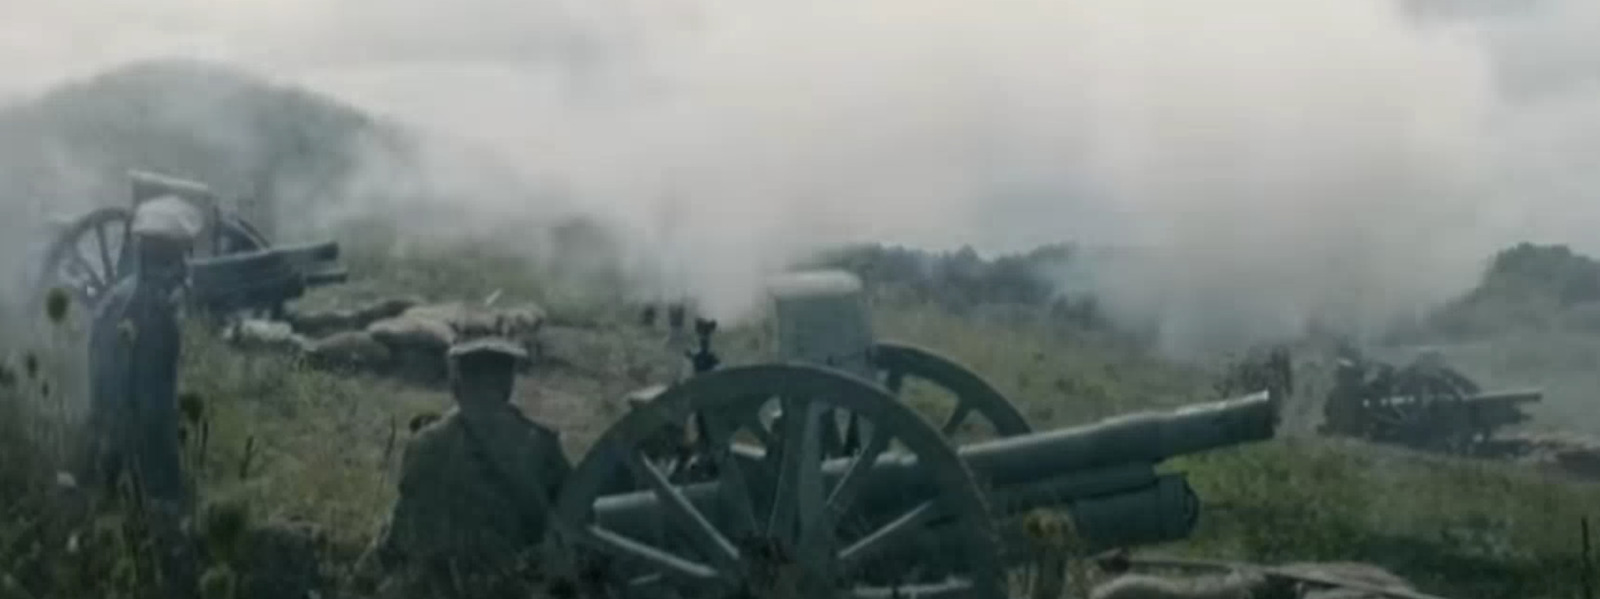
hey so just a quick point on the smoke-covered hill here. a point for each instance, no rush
(295, 163)
(248, 137)
(1526, 288)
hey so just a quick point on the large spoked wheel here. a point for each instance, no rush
(1434, 416)
(89, 256)
(965, 395)
(92, 254)
(777, 517)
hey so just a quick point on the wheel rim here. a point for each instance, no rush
(89, 257)
(974, 396)
(805, 530)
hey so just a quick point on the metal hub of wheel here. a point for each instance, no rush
(779, 518)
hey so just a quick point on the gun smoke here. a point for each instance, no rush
(1337, 162)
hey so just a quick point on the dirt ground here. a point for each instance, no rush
(580, 382)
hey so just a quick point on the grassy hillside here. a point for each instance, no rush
(296, 445)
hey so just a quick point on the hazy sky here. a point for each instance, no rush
(1332, 156)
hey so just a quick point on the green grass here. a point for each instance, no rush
(323, 447)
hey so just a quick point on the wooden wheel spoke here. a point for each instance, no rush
(105, 252)
(683, 512)
(648, 580)
(79, 264)
(894, 380)
(852, 557)
(734, 490)
(814, 535)
(832, 439)
(957, 416)
(844, 491)
(664, 562)
(852, 435)
(800, 462)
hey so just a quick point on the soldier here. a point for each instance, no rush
(475, 488)
(1342, 408)
(1281, 369)
(133, 366)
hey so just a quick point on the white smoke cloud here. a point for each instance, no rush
(1332, 159)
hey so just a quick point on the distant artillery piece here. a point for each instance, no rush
(91, 254)
(784, 504)
(1425, 404)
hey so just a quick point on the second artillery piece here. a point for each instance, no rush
(814, 480)
(1425, 405)
(234, 268)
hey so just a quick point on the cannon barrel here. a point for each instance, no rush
(1103, 473)
(1510, 396)
(1147, 437)
(265, 277)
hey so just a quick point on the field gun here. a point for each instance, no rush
(781, 504)
(1425, 405)
(263, 280)
(91, 253)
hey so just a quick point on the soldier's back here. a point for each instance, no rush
(454, 525)
(449, 501)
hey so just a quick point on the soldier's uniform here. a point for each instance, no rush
(133, 366)
(475, 489)
(133, 352)
(1341, 410)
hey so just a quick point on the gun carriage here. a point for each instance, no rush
(813, 479)
(235, 267)
(1424, 404)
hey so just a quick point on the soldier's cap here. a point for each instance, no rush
(167, 217)
(486, 347)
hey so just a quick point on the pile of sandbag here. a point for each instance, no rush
(400, 336)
